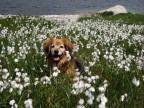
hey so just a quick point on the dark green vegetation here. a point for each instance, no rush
(128, 18)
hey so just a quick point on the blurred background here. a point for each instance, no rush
(49, 7)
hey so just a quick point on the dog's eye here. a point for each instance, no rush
(61, 46)
(52, 46)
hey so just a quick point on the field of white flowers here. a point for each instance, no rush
(111, 52)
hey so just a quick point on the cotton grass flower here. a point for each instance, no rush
(136, 82)
(81, 104)
(5, 71)
(55, 74)
(143, 77)
(101, 98)
(5, 74)
(90, 101)
(13, 104)
(18, 74)
(68, 55)
(56, 71)
(81, 101)
(28, 103)
(16, 60)
(46, 80)
(123, 97)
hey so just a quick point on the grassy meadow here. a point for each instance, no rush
(111, 48)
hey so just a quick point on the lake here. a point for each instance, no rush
(49, 7)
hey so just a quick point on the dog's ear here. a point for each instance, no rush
(46, 45)
(68, 45)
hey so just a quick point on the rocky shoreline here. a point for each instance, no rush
(72, 18)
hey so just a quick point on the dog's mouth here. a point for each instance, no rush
(56, 57)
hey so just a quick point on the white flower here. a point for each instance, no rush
(46, 80)
(17, 79)
(101, 89)
(101, 98)
(36, 81)
(81, 101)
(55, 74)
(15, 60)
(125, 94)
(80, 106)
(26, 84)
(21, 87)
(14, 84)
(143, 77)
(26, 79)
(41, 37)
(105, 56)
(10, 90)
(15, 106)
(68, 55)
(91, 64)
(93, 77)
(120, 65)
(18, 74)
(28, 103)
(88, 93)
(81, 84)
(127, 68)
(136, 82)
(86, 69)
(111, 57)
(16, 70)
(5, 75)
(92, 89)
(86, 37)
(12, 102)
(1, 83)
(123, 97)
(5, 71)
(90, 101)
(74, 92)
(87, 85)
(123, 62)
(101, 105)
(77, 73)
(24, 75)
(97, 77)
(55, 68)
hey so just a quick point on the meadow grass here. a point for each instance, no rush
(111, 48)
(129, 18)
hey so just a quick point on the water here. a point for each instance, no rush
(49, 7)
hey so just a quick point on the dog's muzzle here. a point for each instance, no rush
(56, 55)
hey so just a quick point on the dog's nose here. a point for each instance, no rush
(56, 52)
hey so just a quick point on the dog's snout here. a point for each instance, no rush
(56, 52)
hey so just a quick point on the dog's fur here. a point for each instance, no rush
(55, 50)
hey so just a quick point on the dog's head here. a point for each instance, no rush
(56, 48)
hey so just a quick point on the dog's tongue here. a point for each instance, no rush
(56, 58)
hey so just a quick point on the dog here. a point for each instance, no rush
(59, 53)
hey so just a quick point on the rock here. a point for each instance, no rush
(66, 18)
(116, 10)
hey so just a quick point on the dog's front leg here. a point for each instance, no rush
(62, 62)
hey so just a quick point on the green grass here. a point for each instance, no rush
(95, 38)
(129, 18)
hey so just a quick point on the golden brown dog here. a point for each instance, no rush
(59, 53)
